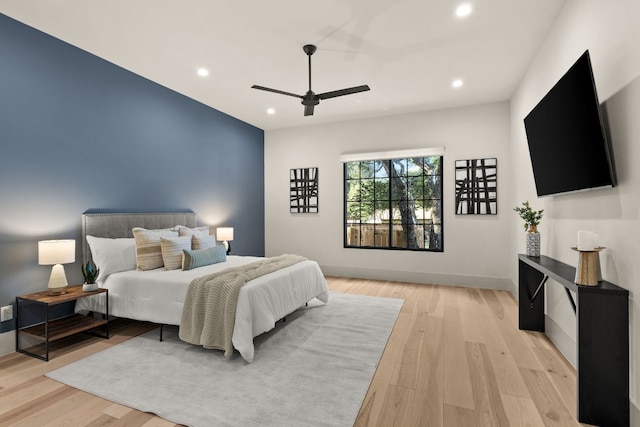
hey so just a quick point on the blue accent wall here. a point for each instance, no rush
(78, 132)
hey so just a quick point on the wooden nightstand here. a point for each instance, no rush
(51, 330)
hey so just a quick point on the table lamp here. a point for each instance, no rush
(56, 253)
(226, 235)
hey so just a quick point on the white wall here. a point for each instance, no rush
(611, 32)
(476, 247)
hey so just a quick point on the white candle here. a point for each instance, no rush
(586, 240)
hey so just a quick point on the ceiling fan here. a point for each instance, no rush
(311, 99)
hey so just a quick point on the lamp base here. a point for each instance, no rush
(57, 281)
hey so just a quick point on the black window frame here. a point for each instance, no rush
(389, 201)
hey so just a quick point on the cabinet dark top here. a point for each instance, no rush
(565, 275)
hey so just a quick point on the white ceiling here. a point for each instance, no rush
(407, 51)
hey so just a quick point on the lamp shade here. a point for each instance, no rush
(224, 233)
(51, 252)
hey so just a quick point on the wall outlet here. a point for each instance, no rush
(6, 313)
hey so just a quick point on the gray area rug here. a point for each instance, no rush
(312, 370)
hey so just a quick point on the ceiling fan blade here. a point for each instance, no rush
(343, 92)
(310, 99)
(281, 92)
(308, 110)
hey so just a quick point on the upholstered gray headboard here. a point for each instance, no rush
(119, 224)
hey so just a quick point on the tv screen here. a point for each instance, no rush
(567, 142)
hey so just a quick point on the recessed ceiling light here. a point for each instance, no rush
(203, 72)
(271, 111)
(463, 10)
(457, 83)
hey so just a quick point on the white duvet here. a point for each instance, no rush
(158, 296)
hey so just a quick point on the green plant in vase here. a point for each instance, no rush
(531, 220)
(90, 272)
(531, 217)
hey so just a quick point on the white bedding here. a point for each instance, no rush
(158, 296)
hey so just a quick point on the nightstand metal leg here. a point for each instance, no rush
(17, 325)
(46, 332)
(106, 315)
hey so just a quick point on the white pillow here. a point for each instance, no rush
(197, 231)
(112, 255)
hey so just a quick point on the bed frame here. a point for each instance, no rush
(119, 224)
(111, 224)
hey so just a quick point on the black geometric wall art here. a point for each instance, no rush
(477, 187)
(303, 190)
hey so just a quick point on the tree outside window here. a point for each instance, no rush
(394, 204)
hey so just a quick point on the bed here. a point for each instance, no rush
(158, 295)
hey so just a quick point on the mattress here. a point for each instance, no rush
(158, 296)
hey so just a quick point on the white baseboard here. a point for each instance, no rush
(417, 277)
(561, 340)
(513, 288)
(7, 342)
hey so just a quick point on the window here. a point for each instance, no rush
(394, 204)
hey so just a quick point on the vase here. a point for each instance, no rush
(89, 287)
(533, 241)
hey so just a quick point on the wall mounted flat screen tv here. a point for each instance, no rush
(567, 140)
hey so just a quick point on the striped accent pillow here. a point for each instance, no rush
(203, 242)
(172, 251)
(148, 249)
(198, 258)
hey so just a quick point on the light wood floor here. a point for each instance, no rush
(455, 358)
